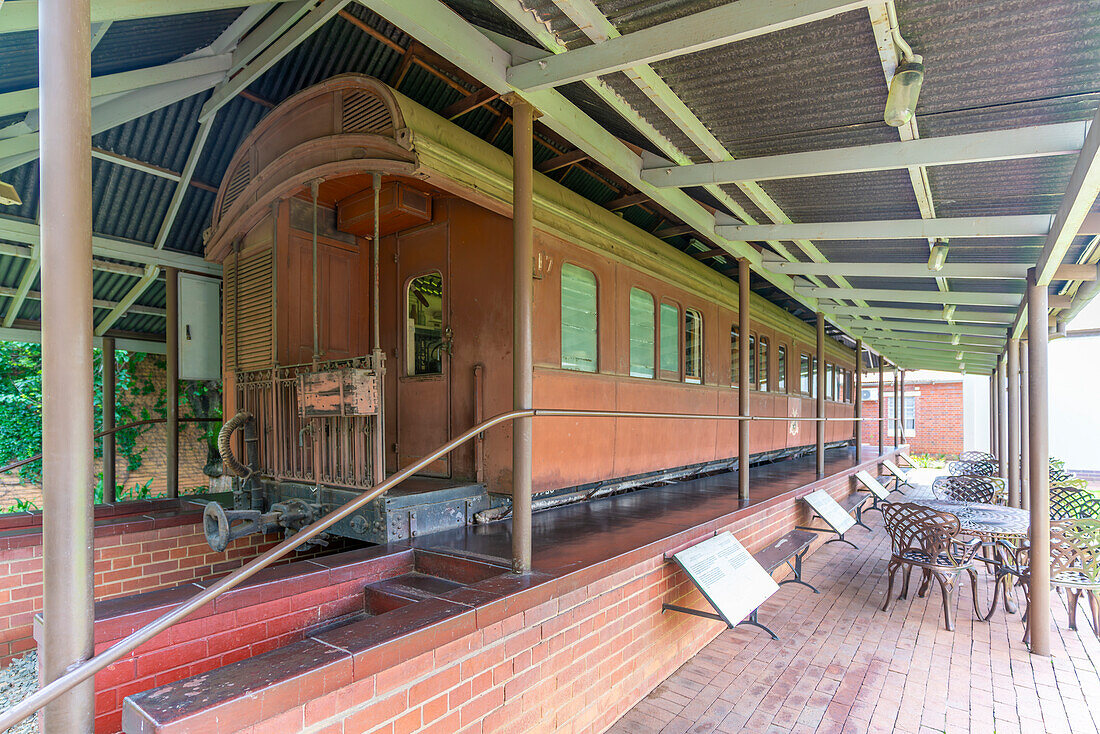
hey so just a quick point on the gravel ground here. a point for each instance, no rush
(17, 681)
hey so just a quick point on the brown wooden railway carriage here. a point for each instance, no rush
(622, 321)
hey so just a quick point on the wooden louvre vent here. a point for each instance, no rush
(237, 184)
(248, 309)
(365, 113)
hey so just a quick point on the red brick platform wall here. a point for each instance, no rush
(133, 553)
(570, 655)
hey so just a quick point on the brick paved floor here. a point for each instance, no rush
(843, 665)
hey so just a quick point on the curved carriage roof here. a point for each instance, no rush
(180, 90)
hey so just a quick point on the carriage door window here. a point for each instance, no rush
(693, 347)
(424, 328)
(579, 319)
(805, 378)
(642, 325)
(735, 358)
(752, 361)
(781, 368)
(670, 341)
(764, 376)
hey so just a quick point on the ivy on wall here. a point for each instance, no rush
(21, 407)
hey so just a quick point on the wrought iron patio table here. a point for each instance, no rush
(989, 523)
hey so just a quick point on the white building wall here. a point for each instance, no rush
(1075, 395)
(975, 413)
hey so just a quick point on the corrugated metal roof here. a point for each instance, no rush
(990, 65)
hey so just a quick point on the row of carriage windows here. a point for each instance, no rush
(579, 344)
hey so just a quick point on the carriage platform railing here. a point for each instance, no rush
(83, 671)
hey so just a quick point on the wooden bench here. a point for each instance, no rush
(837, 515)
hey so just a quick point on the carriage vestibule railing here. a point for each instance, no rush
(90, 667)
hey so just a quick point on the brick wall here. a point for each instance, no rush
(151, 443)
(133, 553)
(572, 655)
(939, 424)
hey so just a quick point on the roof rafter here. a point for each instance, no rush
(1064, 138)
(990, 271)
(697, 32)
(1015, 225)
(972, 317)
(958, 298)
(23, 15)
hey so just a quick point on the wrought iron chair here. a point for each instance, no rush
(981, 468)
(1071, 503)
(1074, 568)
(1071, 482)
(965, 489)
(927, 539)
(976, 456)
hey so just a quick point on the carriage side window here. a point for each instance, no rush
(693, 346)
(805, 376)
(579, 319)
(764, 365)
(830, 383)
(813, 379)
(670, 340)
(424, 327)
(752, 361)
(735, 358)
(781, 368)
(839, 384)
(642, 325)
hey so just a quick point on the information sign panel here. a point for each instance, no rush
(729, 577)
(894, 469)
(872, 484)
(832, 513)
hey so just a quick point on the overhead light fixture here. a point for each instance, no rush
(8, 195)
(901, 103)
(938, 256)
(959, 356)
(955, 339)
(949, 312)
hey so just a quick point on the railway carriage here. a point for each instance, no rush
(367, 250)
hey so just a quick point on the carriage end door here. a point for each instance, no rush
(424, 346)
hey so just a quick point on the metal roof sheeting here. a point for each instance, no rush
(990, 65)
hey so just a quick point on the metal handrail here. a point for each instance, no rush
(83, 671)
(116, 429)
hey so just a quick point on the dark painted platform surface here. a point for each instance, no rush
(577, 536)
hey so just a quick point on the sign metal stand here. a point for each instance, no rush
(729, 578)
(829, 510)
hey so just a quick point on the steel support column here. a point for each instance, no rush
(901, 407)
(819, 426)
(64, 69)
(1039, 610)
(172, 378)
(1002, 417)
(743, 327)
(993, 413)
(897, 411)
(1025, 417)
(108, 422)
(522, 355)
(1012, 374)
(881, 409)
(857, 401)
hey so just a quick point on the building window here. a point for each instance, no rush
(670, 340)
(752, 361)
(764, 365)
(424, 330)
(579, 319)
(806, 378)
(693, 346)
(781, 368)
(735, 358)
(910, 416)
(642, 323)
